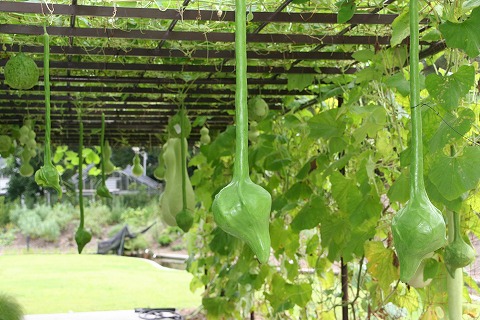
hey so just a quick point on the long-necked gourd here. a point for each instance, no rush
(176, 178)
(47, 175)
(418, 228)
(458, 253)
(107, 153)
(184, 218)
(82, 236)
(242, 208)
(137, 168)
(102, 189)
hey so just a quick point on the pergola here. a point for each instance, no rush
(135, 64)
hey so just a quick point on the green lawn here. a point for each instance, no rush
(58, 283)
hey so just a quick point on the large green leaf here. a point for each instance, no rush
(448, 90)
(400, 28)
(454, 176)
(299, 81)
(345, 192)
(346, 10)
(464, 35)
(310, 215)
(381, 264)
(285, 295)
(452, 128)
(326, 125)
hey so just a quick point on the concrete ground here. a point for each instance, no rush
(101, 315)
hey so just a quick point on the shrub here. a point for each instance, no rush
(7, 235)
(10, 309)
(164, 240)
(4, 212)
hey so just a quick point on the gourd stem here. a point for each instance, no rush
(102, 148)
(80, 174)
(417, 185)
(455, 283)
(240, 171)
(46, 80)
(184, 159)
(456, 226)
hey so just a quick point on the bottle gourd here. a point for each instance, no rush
(418, 228)
(102, 190)
(47, 175)
(242, 208)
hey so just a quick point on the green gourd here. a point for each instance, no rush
(418, 228)
(458, 253)
(137, 168)
(82, 236)
(242, 208)
(107, 153)
(102, 190)
(47, 175)
(171, 200)
(21, 72)
(257, 109)
(184, 218)
(159, 172)
(27, 140)
(204, 136)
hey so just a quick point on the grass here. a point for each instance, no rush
(60, 283)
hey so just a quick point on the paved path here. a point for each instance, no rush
(102, 315)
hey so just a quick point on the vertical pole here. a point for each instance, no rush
(344, 278)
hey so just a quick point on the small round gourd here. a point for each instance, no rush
(21, 72)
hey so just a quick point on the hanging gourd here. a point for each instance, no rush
(107, 153)
(47, 175)
(173, 202)
(204, 136)
(82, 236)
(242, 208)
(184, 218)
(159, 172)
(102, 189)
(21, 72)
(418, 228)
(458, 253)
(257, 109)
(137, 168)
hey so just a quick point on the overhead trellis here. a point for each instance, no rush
(133, 60)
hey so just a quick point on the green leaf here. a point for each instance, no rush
(380, 264)
(283, 240)
(454, 176)
(464, 35)
(398, 81)
(299, 190)
(345, 192)
(400, 28)
(326, 125)
(452, 129)
(448, 90)
(299, 81)
(400, 189)
(346, 10)
(285, 295)
(310, 216)
(363, 55)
